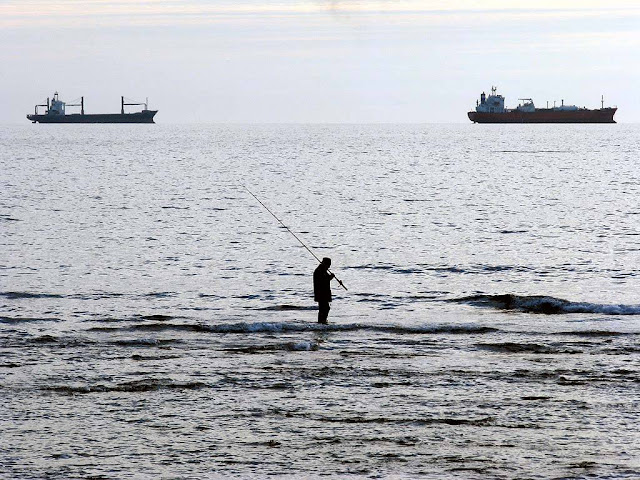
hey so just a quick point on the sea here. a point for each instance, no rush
(158, 322)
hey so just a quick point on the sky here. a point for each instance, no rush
(318, 61)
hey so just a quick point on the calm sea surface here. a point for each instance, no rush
(157, 322)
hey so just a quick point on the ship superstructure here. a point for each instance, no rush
(491, 109)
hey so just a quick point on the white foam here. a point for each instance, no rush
(304, 346)
(603, 309)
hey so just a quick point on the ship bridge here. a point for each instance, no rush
(57, 106)
(494, 103)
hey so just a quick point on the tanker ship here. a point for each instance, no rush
(55, 112)
(491, 109)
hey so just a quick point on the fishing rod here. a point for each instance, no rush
(289, 230)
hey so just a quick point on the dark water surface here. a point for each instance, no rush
(157, 322)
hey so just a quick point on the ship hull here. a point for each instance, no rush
(546, 115)
(145, 116)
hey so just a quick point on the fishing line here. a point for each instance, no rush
(296, 237)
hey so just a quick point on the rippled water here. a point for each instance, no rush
(157, 322)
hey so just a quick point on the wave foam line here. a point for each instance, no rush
(287, 347)
(545, 304)
(284, 327)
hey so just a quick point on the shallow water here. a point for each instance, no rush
(157, 322)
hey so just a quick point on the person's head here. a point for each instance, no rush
(326, 262)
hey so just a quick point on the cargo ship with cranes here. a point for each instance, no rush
(55, 112)
(491, 109)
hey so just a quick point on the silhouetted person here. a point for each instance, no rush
(322, 289)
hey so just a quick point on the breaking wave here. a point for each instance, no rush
(278, 347)
(284, 327)
(13, 295)
(134, 386)
(593, 333)
(20, 295)
(512, 347)
(288, 307)
(417, 420)
(4, 319)
(546, 305)
(144, 342)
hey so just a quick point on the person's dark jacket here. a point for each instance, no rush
(322, 284)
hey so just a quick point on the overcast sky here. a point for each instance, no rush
(318, 60)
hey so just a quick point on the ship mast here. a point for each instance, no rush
(42, 105)
(122, 104)
(81, 105)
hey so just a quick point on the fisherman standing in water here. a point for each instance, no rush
(322, 289)
(321, 276)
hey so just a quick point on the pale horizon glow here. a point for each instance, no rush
(66, 13)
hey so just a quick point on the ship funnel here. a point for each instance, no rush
(483, 98)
